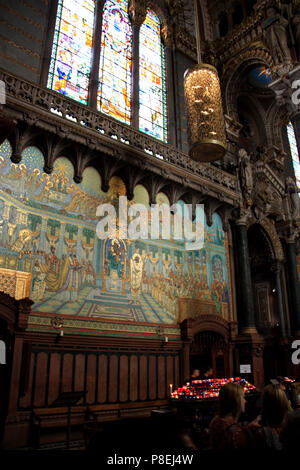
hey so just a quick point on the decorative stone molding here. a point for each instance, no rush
(71, 122)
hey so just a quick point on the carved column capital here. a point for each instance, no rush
(241, 216)
(167, 34)
(137, 11)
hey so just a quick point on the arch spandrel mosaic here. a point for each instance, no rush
(48, 230)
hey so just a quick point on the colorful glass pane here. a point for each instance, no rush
(152, 79)
(294, 152)
(72, 49)
(114, 92)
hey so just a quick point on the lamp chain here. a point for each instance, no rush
(198, 35)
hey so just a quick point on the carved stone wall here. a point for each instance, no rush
(23, 28)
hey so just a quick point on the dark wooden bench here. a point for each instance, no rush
(55, 421)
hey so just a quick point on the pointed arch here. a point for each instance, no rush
(114, 90)
(152, 86)
(71, 56)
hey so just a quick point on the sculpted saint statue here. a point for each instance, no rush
(276, 36)
(245, 174)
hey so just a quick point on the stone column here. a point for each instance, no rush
(293, 281)
(93, 85)
(186, 337)
(137, 12)
(167, 35)
(276, 268)
(246, 307)
(135, 76)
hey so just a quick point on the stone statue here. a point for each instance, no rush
(245, 174)
(276, 36)
(292, 193)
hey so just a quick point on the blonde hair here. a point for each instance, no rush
(230, 400)
(275, 405)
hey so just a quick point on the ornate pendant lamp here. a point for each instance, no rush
(204, 108)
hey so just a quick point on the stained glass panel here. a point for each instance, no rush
(152, 79)
(294, 152)
(72, 49)
(114, 93)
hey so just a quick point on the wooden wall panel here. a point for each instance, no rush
(161, 377)
(102, 378)
(67, 373)
(25, 401)
(108, 378)
(133, 378)
(170, 374)
(113, 379)
(177, 381)
(91, 379)
(79, 372)
(152, 377)
(54, 373)
(41, 379)
(143, 378)
(123, 392)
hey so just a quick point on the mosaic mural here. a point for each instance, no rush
(48, 229)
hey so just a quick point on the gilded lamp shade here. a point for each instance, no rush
(205, 113)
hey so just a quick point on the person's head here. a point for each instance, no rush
(290, 436)
(275, 405)
(196, 373)
(209, 372)
(231, 400)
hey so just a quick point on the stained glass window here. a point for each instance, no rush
(152, 118)
(294, 152)
(72, 49)
(114, 93)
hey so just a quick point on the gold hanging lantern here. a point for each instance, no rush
(204, 108)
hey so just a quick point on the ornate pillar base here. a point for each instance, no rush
(249, 330)
(251, 347)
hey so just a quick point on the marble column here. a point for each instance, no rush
(246, 307)
(294, 288)
(277, 268)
